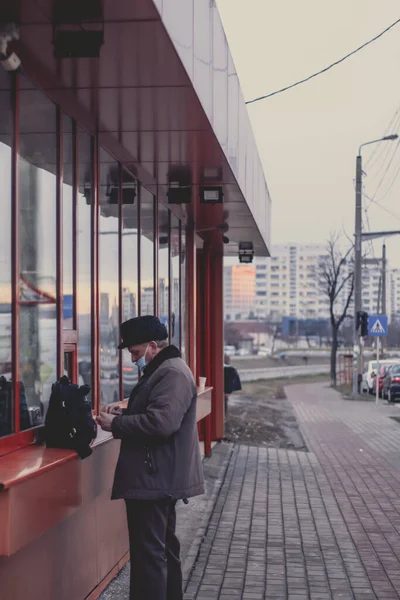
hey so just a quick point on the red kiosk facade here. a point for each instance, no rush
(94, 231)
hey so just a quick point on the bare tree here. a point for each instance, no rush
(338, 285)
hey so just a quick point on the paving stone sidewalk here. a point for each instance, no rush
(317, 525)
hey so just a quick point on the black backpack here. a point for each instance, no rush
(69, 421)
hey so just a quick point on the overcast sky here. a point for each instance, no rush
(308, 137)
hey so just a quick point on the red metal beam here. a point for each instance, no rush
(59, 241)
(95, 276)
(15, 254)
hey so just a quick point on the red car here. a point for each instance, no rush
(381, 376)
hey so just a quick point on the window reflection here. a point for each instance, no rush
(108, 278)
(175, 281)
(163, 263)
(37, 190)
(6, 426)
(68, 222)
(147, 252)
(84, 255)
(129, 275)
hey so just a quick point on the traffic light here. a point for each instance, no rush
(362, 323)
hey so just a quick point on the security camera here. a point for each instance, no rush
(9, 60)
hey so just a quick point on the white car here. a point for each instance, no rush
(369, 374)
(264, 351)
(229, 350)
(242, 352)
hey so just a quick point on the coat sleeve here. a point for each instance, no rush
(169, 401)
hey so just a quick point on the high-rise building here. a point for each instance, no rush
(239, 291)
(394, 286)
(128, 304)
(290, 282)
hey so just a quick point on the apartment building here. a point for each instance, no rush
(239, 292)
(289, 283)
(394, 287)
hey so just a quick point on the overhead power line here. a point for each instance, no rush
(386, 170)
(378, 149)
(392, 214)
(337, 62)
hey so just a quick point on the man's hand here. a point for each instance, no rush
(105, 420)
(114, 409)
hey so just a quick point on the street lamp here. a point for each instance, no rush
(357, 256)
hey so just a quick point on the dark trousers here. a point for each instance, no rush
(156, 572)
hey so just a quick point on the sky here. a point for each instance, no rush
(308, 137)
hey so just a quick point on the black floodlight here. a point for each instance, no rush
(179, 185)
(246, 252)
(211, 195)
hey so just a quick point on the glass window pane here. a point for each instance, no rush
(37, 190)
(68, 222)
(163, 263)
(5, 255)
(108, 278)
(184, 307)
(147, 252)
(84, 255)
(175, 281)
(129, 276)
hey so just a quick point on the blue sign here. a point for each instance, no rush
(377, 325)
(67, 306)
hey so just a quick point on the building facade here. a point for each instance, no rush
(239, 292)
(287, 284)
(91, 152)
(394, 286)
(291, 284)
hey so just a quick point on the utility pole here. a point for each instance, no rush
(384, 278)
(357, 258)
(357, 273)
(378, 302)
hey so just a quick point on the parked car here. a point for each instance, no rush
(264, 351)
(243, 352)
(368, 376)
(369, 373)
(229, 350)
(391, 383)
(383, 368)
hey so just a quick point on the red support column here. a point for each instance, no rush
(216, 343)
(191, 292)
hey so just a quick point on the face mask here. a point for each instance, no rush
(141, 362)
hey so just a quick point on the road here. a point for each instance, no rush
(284, 372)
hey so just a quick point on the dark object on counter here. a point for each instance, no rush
(69, 421)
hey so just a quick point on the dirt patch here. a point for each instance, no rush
(261, 415)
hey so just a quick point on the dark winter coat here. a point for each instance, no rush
(160, 454)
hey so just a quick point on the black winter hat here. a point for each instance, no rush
(140, 330)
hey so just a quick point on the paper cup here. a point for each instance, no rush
(202, 382)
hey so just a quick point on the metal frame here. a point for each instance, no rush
(95, 326)
(68, 340)
(120, 295)
(59, 241)
(15, 258)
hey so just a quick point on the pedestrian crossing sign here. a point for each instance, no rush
(377, 325)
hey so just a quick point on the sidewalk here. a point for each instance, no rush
(317, 525)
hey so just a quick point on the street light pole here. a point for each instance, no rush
(357, 259)
(357, 271)
(384, 279)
